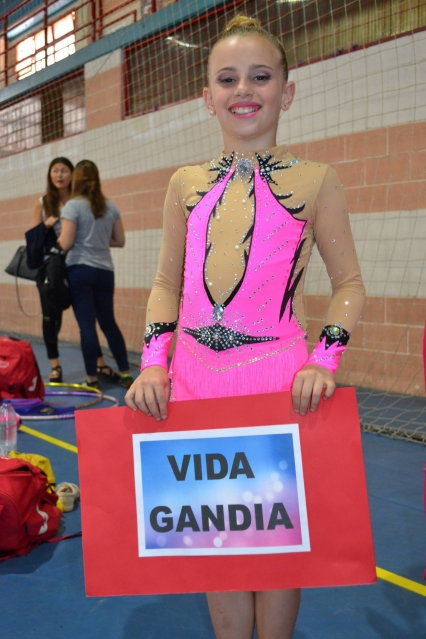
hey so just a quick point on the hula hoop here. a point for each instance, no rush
(76, 393)
(79, 386)
(27, 418)
(86, 391)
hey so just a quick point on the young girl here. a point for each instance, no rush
(91, 224)
(241, 228)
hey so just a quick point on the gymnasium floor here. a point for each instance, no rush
(42, 595)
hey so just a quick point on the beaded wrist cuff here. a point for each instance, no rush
(330, 347)
(155, 354)
(158, 328)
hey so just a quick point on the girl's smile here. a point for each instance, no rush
(244, 109)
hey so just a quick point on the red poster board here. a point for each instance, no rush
(341, 546)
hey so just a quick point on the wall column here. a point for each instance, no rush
(104, 90)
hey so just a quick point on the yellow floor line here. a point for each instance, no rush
(47, 438)
(402, 582)
(385, 575)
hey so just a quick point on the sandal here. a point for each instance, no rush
(92, 384)
(67, 494)
(107, 374)
(126, 380)
(55, 376)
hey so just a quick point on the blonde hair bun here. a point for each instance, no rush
(242, 22)
(241, 25)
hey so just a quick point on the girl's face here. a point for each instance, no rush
(60, 175)
(247, 91)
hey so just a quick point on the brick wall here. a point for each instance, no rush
(382, 169)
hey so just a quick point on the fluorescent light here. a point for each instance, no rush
(174, 40)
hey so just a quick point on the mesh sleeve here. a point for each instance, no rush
(163, 302)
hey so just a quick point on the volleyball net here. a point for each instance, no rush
(135, 109)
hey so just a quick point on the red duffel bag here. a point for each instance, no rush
(19, 371)
(28, 511)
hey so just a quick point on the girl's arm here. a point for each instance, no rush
(67, 236)
(118, 238)
(336, 246)
(37, 214)
(151, 389)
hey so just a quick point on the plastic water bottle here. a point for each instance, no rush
(8, 428)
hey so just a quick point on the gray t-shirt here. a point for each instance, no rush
(92, 238)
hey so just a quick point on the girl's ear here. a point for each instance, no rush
(288, 95)
(208, 101)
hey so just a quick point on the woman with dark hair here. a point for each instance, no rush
(46, 227)
(46, 216)
(91, 224)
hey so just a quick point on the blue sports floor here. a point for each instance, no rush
(42, 595)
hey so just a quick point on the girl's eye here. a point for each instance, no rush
(226, 80)
(261, 77)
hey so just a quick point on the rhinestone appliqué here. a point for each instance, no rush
(218, 311)
(334, 333)
(220, 338)
(244, 168)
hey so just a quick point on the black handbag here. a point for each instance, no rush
(52, 281)
(18, 266)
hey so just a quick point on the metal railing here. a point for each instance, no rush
(91, 23)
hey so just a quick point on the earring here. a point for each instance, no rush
(211, 111)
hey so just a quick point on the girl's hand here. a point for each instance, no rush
(50, 221)
(149, 392)
(308, 386)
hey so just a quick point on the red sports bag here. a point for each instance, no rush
(19, 372)
(28, 514)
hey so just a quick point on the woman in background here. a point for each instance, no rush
(91, 224)
(46, 216)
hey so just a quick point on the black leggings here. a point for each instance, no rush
(52, 320)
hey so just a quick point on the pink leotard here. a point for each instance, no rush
(243, 229)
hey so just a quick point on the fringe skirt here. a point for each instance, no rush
(192, 379)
